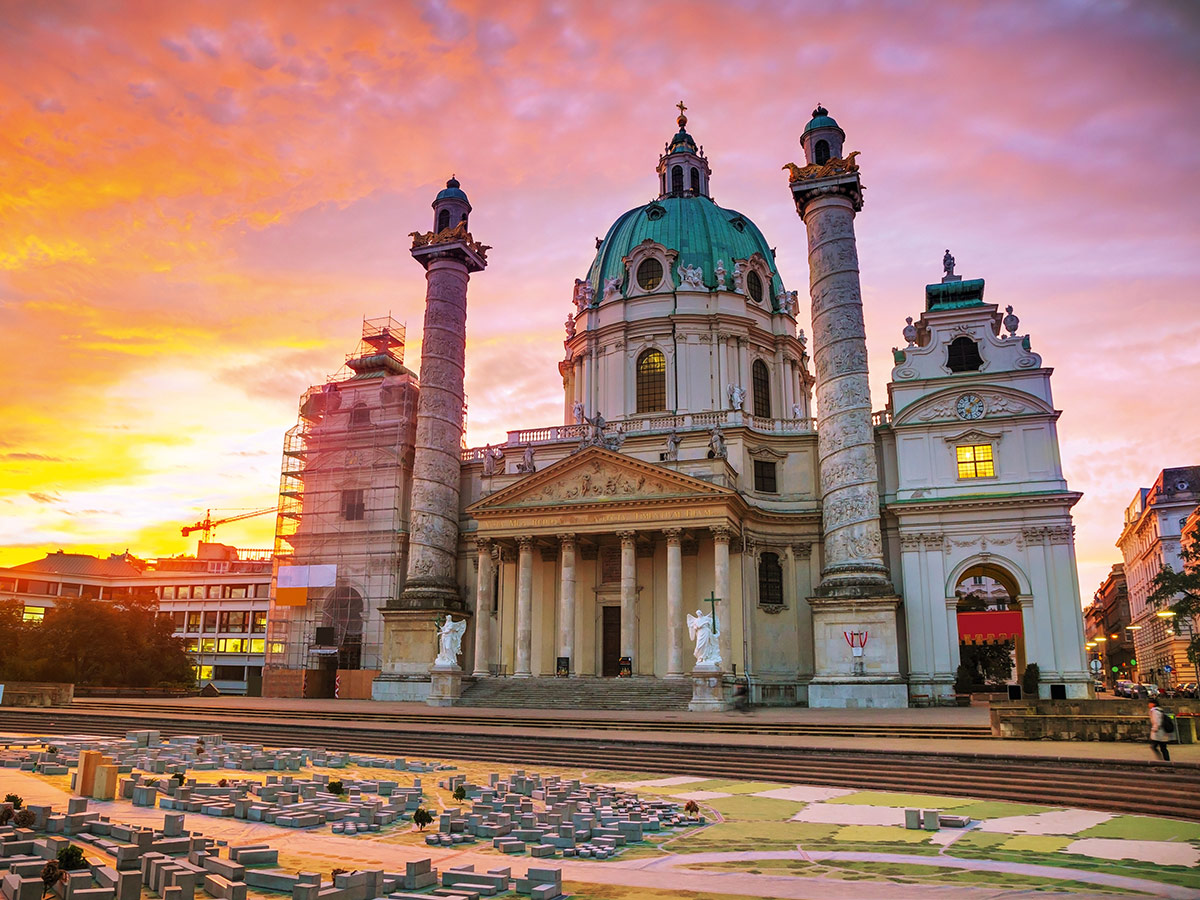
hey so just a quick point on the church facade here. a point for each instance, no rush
(696, 474)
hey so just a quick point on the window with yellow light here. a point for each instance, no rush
(976, 461)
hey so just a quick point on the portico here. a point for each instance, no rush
(600, 558)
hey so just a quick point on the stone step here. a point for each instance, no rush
(579, 693)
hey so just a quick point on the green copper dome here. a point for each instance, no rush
(452, 191)
(820, 119)
(695, 227)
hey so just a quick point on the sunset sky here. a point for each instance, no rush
(199, 202)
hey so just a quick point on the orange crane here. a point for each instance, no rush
(208, 523)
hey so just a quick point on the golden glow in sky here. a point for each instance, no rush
(200, 202)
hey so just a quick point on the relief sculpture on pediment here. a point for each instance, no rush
(597, 482)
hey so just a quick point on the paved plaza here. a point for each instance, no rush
(266, 814)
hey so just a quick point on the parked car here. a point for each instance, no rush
(1189, 689)
(1124, 689)
(1147, 691)
(1099, 686)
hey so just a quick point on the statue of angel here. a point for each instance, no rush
(526, 466)
(948, 264)
(577, 412)
(739, 277)
(450, 637)
(737, 396)
(719, 272)
(716, 444)
(673, 442)
(489, 460)
(700, 630)
(570, 326)
(612, 289)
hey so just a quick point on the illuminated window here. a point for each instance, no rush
(278, 647)
(976, 461)
(754, 287)
(204, 673)
(208, 645)
(651, 382)
(34, 614)
(649, 274)
(192, 645)
(257, 645)
(695, 181)
(231, 645)
(259, 624)
(193, 621)
(760, 380)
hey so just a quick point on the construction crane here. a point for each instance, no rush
(208, 523)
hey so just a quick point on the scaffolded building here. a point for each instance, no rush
(341, 535)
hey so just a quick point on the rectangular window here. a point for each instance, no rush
(975, 461)
(180, 619)
(231, 645)
(229, 673)
(34, 614)
(192, 645)
(204, 673)
(208, 645)
(262, 590)
(168, 592)
(237, 591)
(259, 624)
(278, 647)
(239, 622)
(353, 505)
(210, 621)
(90, 591)
(224, 626)
(764, 476)
(193, 620)
(257, 645)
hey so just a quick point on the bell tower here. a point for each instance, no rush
(682, 169)
(855, 635)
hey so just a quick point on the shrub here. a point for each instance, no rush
(17, 802)
(178, 778)
(6, 815)
(336, 787)
(460, 793)
(421, 818)
(1029, 681)
(70, 858)
(964, 679)
(691, 808)
(51, 874)
(224, 782)
(23, 818)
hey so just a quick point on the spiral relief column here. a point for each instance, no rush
(855, 594)
(449, 255)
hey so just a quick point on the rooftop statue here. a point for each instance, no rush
(448, 236)
(948, 264)
(835, 166)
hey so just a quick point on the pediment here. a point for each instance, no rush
(598, 477)
(997, 403)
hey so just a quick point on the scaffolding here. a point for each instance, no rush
(344, 487)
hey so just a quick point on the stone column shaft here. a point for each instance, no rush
(483, 608)
(674, 604)
(628, 594)
(566, 600)
(721, 537)
(524, 649)
(845, 437)
(433, 537)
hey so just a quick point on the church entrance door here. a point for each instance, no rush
(610, 647)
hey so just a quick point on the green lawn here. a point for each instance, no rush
(996, 809)
(754, 809)
(886, 798)
(1143, 828)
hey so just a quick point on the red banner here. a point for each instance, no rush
(989, 627)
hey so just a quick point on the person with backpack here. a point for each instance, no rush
(1162, 727)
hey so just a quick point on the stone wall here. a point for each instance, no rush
(1080, 720)
(37, 693)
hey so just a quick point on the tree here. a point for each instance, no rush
(23, 818)
(52, 873)
(336, 787)
(988, 663)
(691, 808)
(421, 818)
(460, 793)
(16, 801)
(71, 858)
(1179, 592)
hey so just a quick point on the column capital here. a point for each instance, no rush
(566, 539)
(673, 535)
(525, 542)
(483, 545)
(721, 533)
(627, 537)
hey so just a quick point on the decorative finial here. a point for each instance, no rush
(682, 120)
(820, 110)
(1011, 322)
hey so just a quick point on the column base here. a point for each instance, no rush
(857, 695)
(445, 685)
(708, 690)
(401, 688)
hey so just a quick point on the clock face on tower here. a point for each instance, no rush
(969, 406)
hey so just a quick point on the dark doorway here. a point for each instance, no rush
(610, 636)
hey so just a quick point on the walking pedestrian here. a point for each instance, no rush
(1160, 731)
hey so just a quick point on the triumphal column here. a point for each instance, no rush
(449, 255)
(855, 640)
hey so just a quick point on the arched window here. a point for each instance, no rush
(770, 581)
(651, 382)
(677, 180)
(963, 355)
(695, 181)
(821, 153)
(754, 286)
(443, 220)
(760, 380)
(649, 274)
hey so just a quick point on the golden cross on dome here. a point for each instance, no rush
(681, 107)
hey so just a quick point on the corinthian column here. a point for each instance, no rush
(674, 604)
(566, 601)
(524, 608)
(483, 607)
(628, 594)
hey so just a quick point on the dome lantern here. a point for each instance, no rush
(822, 138)
(682, 169)
(450, 207)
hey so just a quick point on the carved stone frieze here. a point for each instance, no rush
(928, 540)
(1053, 534)
(994, 404)
(598, 481)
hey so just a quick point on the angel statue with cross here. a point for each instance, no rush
(701, 629)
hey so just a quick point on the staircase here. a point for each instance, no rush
(579, 693)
